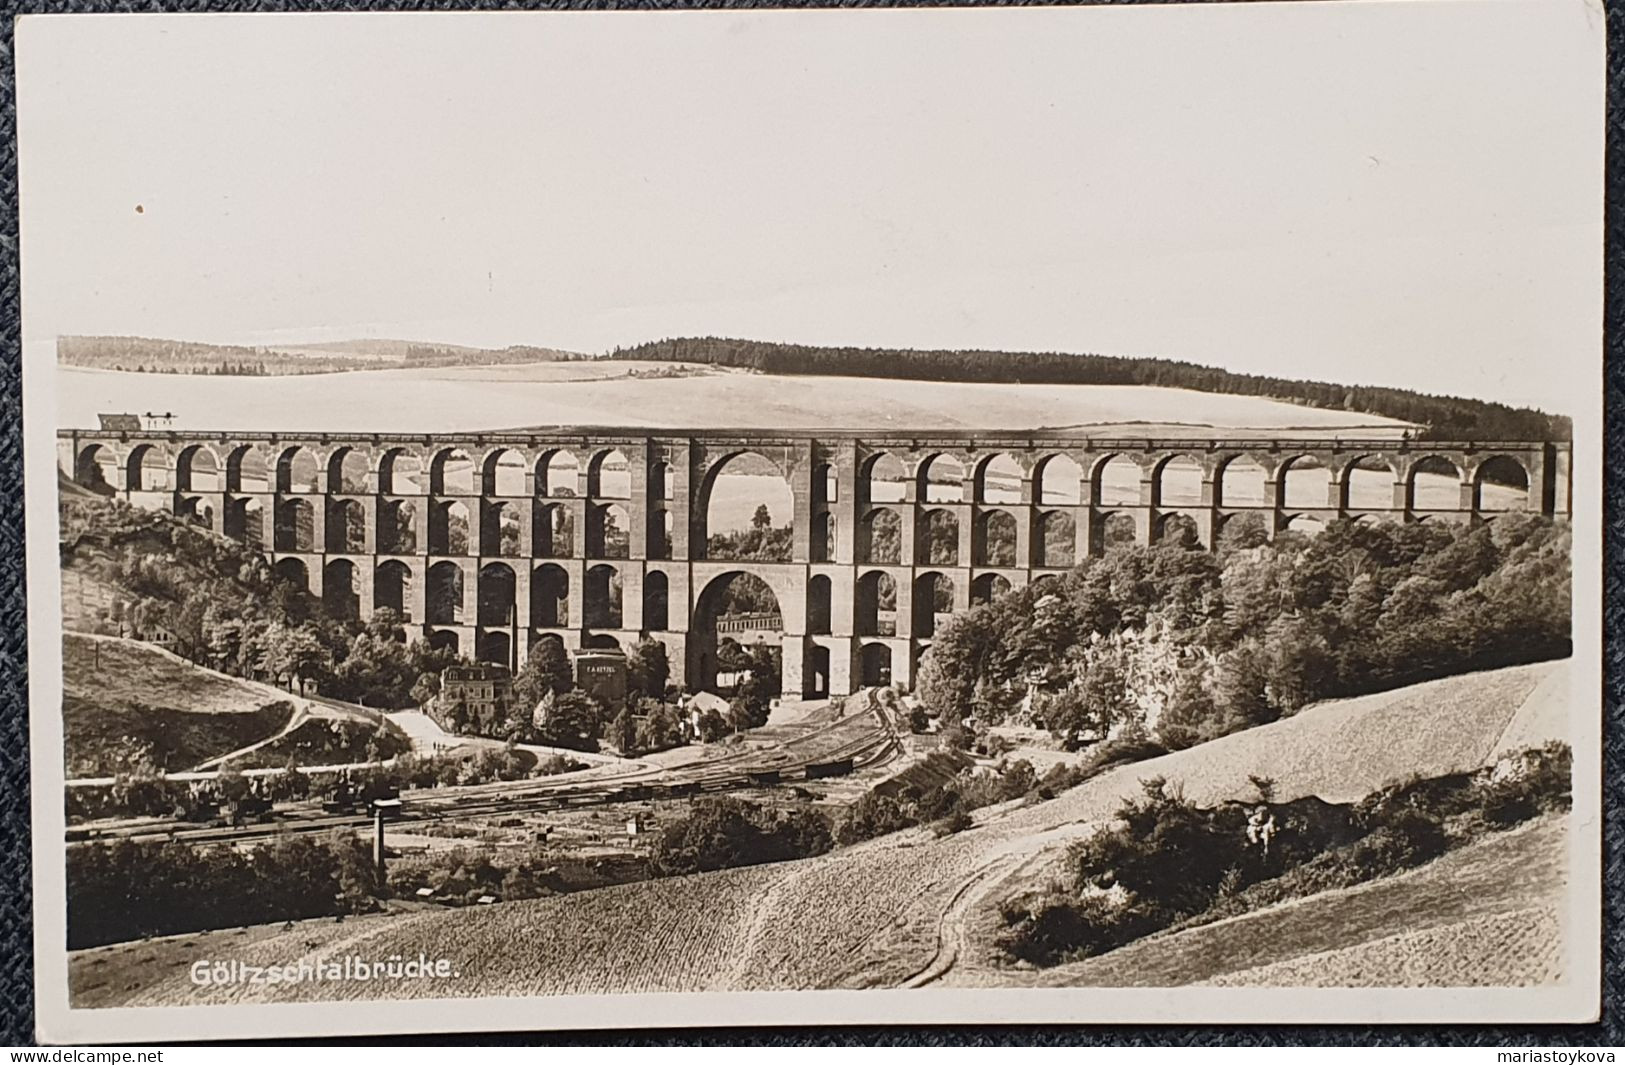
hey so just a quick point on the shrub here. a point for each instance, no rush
(874, 814)
(958, 821)
(724, 833)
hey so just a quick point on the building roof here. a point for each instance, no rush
(120, 423)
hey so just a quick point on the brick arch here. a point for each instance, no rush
(387, 473)
(1024, 469)
(334, 465)
(1097, 472)
(489, 461)
(185, 461)
(920, 472)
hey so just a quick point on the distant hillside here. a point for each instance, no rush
(149, 355)
(1446, 417)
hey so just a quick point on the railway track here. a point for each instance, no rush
(873, 742)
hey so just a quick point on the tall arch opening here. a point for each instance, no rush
(996, 540)
(347, 471)
(339, 593)
(876, 665)
(609, 475)
(496, 600)
(823, 537)
(738, 628)
(941, 480)
(1060, 482)
(602, 602)
(96, 468)
(1305, 483)
(1058, 535)
(499, 529)
(1116, 482)
(397, 527)
(749, 511)
(881, 538)
(245, 521)
(553, 531)
(933, 602)
(1501, 485)
(1240, 483)
(451, 473)
(1368, 484)
(400, 473)
(882, 479)
(988, 587)
(819, 605)
(998, 480)
(295, 527)
(144, 469)
(938, 533)
(1179, 482)
(877, 604)
(608, 531)
(1115, 531)
(656, 602)
(550, 598)
(392, 588)
(246, 470)
(448, 528)
(196, 470)
(444, 594)
(503, 474)
(297, 471)
(1435, 484)
(345, 525)
(558, 475)
(292, 571)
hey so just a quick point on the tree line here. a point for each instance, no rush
(1443, 417)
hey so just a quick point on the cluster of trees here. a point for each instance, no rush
(1183, 645)
(1165, 862)
(762, 542)
(1444, 417)
(723, 833)
(128, 890)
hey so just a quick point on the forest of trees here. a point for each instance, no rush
(1444, 417)
(1184, 645)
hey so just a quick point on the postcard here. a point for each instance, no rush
(710, 518)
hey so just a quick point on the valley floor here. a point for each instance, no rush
(912, 910)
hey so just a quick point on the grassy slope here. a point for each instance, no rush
(874, 915)
(113, 689)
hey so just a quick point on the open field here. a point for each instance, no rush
(905, 909)
(574, 394)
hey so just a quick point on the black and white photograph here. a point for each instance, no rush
(565, 520)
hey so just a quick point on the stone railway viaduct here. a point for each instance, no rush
(891, 529)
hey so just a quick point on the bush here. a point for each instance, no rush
(874, 814)
(724, 833)
(958, 821)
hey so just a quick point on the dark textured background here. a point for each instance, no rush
(16, 897)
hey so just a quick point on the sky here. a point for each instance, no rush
(1402, 193)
